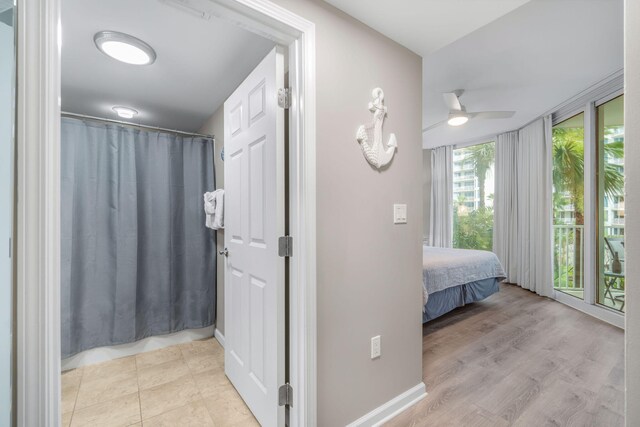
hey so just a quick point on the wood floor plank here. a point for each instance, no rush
(517, 359)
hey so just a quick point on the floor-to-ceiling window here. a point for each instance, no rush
(610, 214)
(568, 206)
(588, 204)
(473, 187)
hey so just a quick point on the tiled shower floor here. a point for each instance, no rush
(181, 385)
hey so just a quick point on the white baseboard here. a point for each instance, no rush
(104, 354)
(219, 337)
(394, 407)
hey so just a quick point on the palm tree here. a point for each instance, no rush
(568, 169)
(568, 178)
(482, 156)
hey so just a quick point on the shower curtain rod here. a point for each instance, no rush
(135, 125)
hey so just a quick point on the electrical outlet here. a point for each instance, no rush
(375, 347)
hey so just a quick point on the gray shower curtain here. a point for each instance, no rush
(136, 257)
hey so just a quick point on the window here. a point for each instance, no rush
(473, 185)
(610, 183)
(568, 206)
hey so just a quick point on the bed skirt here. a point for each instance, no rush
(444, 301)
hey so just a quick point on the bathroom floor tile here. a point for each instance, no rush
(212, 382)
(198, 347)
(163, 373)
(192, 414)
(182, 385)
(106, 388)
(165, 397)
(158, 357)
(106, 369)
(122, 411)
(69, 395)
(66, 419)
(228, 409)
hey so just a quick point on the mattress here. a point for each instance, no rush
(444, 268)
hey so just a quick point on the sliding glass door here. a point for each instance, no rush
(568, 206)
(588, 206)
(610, 214)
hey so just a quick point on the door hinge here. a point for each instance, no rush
(285, 246)
(285, 395)
(284, 98)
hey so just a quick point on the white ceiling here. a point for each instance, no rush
(424, 26)
(199, 62)
(507, 55)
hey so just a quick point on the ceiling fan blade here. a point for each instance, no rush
(428, 128)
(493, 114)
(452, 101)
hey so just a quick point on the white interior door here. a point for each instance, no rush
(254, 219)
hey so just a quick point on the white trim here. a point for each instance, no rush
(219, 337)
(589, 198)
(38, 231)
(38, 201)
(103, 354)
(597, 311)
(612, 83)
(392, 408)
(476, 141)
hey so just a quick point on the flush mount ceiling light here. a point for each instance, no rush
(125, 112)
(457, 119)
(124, 47)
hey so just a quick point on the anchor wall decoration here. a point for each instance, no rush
(370, 136)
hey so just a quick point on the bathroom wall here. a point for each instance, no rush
(215, 126)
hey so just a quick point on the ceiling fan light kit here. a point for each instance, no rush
(457, 119)
(458, 114)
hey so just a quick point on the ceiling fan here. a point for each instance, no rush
(458, 114)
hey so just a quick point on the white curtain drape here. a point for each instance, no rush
(523, 209)
(505, 201)
(441, 197)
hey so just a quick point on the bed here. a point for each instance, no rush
(455, 277)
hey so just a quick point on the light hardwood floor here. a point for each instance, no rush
(182, 385)
(523, 360)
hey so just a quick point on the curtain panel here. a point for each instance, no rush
(136, 258)
(441, 225)
(523, 206)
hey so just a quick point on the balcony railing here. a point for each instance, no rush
(568, 255)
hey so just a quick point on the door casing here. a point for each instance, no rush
(38, 201)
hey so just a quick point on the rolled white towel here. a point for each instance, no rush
(218, 216)
(209, 208)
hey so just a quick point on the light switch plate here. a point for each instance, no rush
(375, 347)
(399, 214)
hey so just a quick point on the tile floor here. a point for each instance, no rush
(182, 385)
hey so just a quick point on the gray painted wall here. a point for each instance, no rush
(426, 193)
(632, 200)
(215, 126)
(369, 270)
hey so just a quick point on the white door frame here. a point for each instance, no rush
(38, 202)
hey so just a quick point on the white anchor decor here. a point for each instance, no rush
(374, 151)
